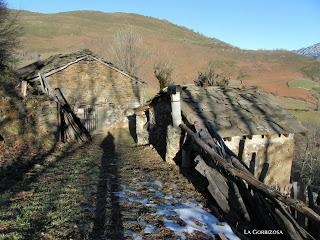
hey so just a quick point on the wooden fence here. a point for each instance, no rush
(231, 183)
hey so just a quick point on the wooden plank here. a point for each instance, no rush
(47, 86)
(65, 66)
(41, 83)
(215, 185)
(24, 86)
(251, 180)
(221, 236)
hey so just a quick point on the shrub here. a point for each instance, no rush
(211, 78)
(307, 156)
(312, 71)
(9, 32)
(163, 72)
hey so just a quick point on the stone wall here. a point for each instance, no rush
(269, 157)
(109, 92)
(159, 120)
(47, 117)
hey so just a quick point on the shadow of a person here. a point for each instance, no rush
(108, 145)
(107, 222)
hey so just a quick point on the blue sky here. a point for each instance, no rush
(248, 24)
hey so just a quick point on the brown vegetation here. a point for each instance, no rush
(163, 72)
(189, 51)
(8, 36)
(126, 48)
(307, 156)
(211, 78)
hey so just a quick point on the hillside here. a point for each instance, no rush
(312, 51)
(189, 52)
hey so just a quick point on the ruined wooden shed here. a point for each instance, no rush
(255, 129)
(99, 93)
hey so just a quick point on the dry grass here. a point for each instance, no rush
(189, 51)
(71, 194)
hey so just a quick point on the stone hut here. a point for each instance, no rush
(257, 131)
(99, 93)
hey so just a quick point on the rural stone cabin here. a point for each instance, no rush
(258, 132)
(98, 92)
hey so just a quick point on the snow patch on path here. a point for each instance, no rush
(181, 215)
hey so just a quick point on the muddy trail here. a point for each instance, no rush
(106, 189)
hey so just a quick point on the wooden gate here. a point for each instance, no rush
(88, 117)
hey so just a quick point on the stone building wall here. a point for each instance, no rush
(109, 92)
(269, 157)
(47, 118)
(159, 120)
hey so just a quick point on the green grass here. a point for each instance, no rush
(307, 116)
(303, 111)
(291, 103)
(303, 83)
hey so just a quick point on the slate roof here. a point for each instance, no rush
(57, 61)
(236, 111)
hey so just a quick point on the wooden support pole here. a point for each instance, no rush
(251, 180)
(42, 83)
(24, 86)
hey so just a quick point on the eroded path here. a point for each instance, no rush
(106, 189)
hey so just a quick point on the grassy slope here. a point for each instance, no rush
(188, 51)
(304, 111)
(304, 83)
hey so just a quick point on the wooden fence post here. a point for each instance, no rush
(24, 86)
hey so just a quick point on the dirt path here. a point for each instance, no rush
(106, 189)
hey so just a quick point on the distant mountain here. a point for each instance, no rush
(312, 51)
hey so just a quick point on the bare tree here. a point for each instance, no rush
(316, 93)
(9, 31)
(126, 48)
(307, 156)
(163, 72)
(211, 78)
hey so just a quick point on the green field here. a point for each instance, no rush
(303, 111)
(307, 116)
(303, 83)
(291, 103)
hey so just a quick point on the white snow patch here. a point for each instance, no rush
(195, 219)
(149, 229)
(191, 212)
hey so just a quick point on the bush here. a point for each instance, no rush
(163, 72)
(312, 71)
(9, 32)
(211, 78)
(307, 156)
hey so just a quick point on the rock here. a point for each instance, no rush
(173, 143)
(141, 130)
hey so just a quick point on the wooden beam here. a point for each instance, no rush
(251, 180)
(41, 83)
(24, 86)
(65, 66)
